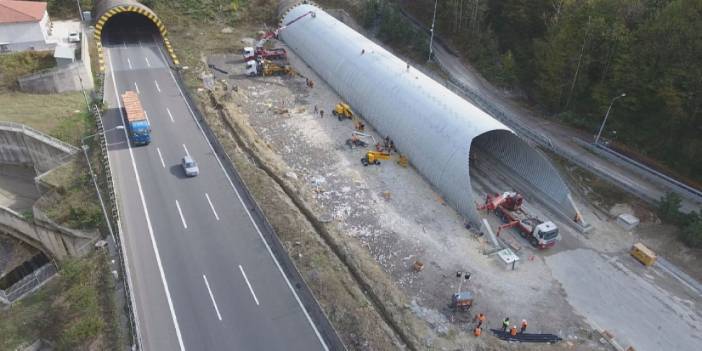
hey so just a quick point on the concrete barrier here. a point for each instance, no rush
(54, 240)
(58, 80)
(22, 145)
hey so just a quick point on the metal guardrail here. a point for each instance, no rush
(114, 214)
(28, 283)
(646, 171)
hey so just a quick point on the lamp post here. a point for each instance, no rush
(92, 176)
(597, 138)
(431, 37)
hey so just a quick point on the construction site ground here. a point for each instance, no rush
(588, 282)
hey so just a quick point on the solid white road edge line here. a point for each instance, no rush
(129, 62)
(214, 303)
(146, 214)
(185, 225)
(249, 284)
(146, 58)
(186, 150)
(211, 207)
(170, 115)
(157, 87)
(137, 88)
(147, 117)
(270, 252)
(161, 157)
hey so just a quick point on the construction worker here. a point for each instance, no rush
(513, 330)
(321, 113)
(363, 51)
(524, 326)
(477, 331)
(315, 109)
(480, 318)
(505, 324)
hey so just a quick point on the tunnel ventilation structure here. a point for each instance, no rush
(438, 130)
(106, 9)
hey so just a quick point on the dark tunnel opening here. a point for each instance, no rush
(129, 28)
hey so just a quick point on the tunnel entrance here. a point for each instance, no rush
(501, 161)
(129, 28)
(127, 22)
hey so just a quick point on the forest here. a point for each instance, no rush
(570, 58)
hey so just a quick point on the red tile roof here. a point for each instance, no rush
(12, 11)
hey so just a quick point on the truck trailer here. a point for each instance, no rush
(138, 125)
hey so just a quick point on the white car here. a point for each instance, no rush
(190, 166)
(74, 37)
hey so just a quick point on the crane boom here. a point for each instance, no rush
(274, 34)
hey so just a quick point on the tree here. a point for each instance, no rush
(691, 234)
(669, 208)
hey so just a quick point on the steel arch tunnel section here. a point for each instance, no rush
(105, 10)
(429, 123)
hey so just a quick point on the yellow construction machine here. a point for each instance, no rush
(342, 110)
(267, 68)
(374, 157)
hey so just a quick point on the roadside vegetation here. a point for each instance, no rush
(15, 65)
(74, 311)
(571, 58)
(690, 224)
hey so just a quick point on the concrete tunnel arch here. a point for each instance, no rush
(106, 9)
(433, 126)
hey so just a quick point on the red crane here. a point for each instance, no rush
(274, 34)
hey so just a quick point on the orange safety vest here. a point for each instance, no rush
(477, 332)
(513, 331)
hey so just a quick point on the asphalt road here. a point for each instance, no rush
(202, 276)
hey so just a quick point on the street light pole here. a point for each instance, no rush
(431, 37)
(597, 138)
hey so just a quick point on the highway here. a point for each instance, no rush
(202, 276)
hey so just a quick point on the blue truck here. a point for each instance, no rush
(138, 125)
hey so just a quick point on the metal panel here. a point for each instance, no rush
(432, 125)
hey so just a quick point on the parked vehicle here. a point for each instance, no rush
(508, 206)
(74, 37)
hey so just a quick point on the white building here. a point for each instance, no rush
(24, 25)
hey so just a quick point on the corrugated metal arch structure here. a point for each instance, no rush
(432, 125)
(105, 9)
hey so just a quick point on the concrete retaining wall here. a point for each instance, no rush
(56, 241)
(22, 145)
(58, 80)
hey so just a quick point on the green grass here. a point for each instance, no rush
(72, 311)
(18, 64)
(60, 115)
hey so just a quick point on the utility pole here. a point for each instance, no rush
(597, 138)
(92, 176)
(431, 37)
(80, 11)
